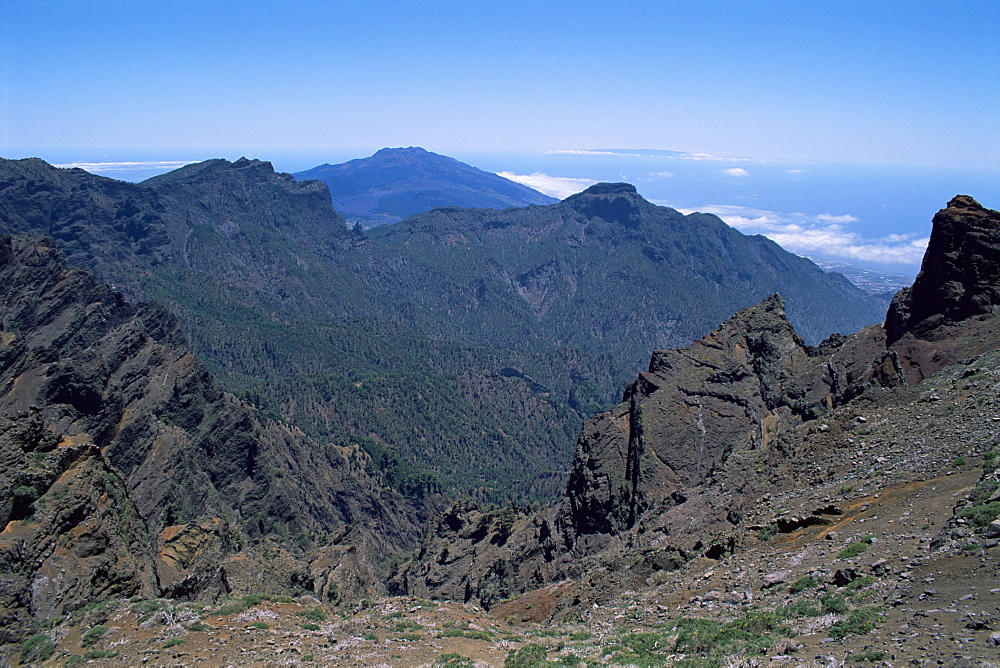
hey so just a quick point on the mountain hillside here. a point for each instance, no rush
(397, 182)
(607, 271)
(478, 337)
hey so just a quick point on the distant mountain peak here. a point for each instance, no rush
(398, 182)
(610, 189)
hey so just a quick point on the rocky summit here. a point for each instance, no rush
(753, 499)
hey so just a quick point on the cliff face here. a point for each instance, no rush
(960, 274)
(681, 419)
(133, 432)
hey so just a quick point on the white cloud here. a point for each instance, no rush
(736, 171)
(796, 171)
(126, 166)
(662, 175)
(823, 234)
(580, 151)
(560, 187)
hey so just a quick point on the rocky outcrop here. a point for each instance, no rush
(734, 388)
(960, 274)
(71, 535)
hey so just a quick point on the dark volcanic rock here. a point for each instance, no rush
(72, 533)
(735, 387)
(960, 274)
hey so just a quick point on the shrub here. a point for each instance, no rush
(309, 626)
(263, 626)
(93, 654)
(143, 610)
(802, 609)
(239, 605)
(173, 642)
(855, 548)
(528, 656)
(980, 514)
(456, 660)
(860, 583)
(93, 635)
(315, 614)
(37, 648)
(861, 621)
(803, 583)
(834, 603)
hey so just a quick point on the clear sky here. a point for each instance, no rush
(908, 83)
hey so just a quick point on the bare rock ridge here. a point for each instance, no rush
(125, 470)
(676, 470)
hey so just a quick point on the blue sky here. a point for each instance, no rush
(832, 126)
(912, 83)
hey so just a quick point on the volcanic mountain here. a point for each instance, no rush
(397, 182)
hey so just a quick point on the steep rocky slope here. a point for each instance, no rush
(126, 470)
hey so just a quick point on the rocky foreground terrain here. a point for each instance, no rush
(753, 501)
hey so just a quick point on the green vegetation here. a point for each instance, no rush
(174, 642)
(93, 635)
(803, 583)
(861, 621)
(768, 532)
(855, 548)
(528, 656)
(408, 637)
(802, 608)
(309, 626)
(370, 636)
(263, 626)
(95, 654)
(981, 512)
(834, 603)
(467, 633)
(143, 610)
(454, 660)
(37, 648)
(314, 614)
(235, 607)
(860, 583)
